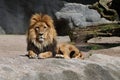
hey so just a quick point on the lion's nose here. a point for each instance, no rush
(40, 34)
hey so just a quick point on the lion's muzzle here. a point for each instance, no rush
(40, 37)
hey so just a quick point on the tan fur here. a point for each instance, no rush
(68, 51)
(40, 23)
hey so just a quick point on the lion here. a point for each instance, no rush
(41, 37)
(67, 51)
(42, 40)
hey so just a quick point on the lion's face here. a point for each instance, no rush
(41, 30)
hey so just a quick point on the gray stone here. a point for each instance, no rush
(96, 72)
(16, 66)
(80, 15)
(63, 39)
(82, 1)
(15, 14)
(105, 40)
(92, 15)
(22, 68)
(1, 30)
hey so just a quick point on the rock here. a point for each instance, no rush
(16, 66)
(104, 67)
(2, 31)
(114, 51)
(63, 39)
(19, 67)
(80, 15)
(105, 40)
(15, 14)
(82, 1)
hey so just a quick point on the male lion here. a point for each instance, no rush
(41, 37)
(41, 40)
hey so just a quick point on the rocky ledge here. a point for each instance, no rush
(14, 65)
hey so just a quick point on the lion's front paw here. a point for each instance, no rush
(32, 55)
(45, 55)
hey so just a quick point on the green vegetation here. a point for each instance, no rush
(107, 30)
(95, 47)
(100, 46)
(109, 27)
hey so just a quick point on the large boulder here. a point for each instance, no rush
(16, 66)
(98, 67)
(79, 15)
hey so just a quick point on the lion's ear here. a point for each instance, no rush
(35, 18)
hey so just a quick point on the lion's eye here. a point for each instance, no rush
(37, 28)
(45, 27)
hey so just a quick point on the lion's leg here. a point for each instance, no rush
(31, 54)
(44, 55)
(79, 56)
(66, 56)
(65, 52)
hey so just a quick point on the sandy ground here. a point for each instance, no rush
(16, 44)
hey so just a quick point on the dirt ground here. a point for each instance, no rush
(16, 44)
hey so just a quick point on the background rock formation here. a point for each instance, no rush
(15, 14)
(82, 1)
(79, 15)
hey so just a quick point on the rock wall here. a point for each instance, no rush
(15, 14)
(82, 1)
